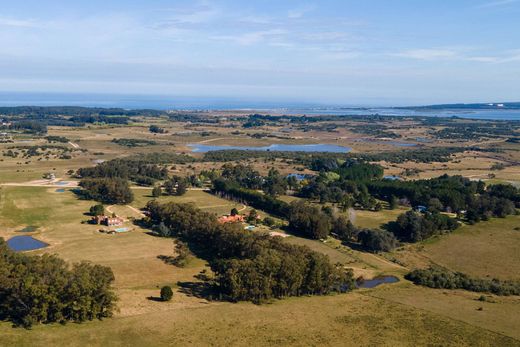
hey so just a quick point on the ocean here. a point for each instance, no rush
(215, 103)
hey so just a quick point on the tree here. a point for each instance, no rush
(156, 191)
(234, 211)
(393, 202)
(182, 188)
(435, 205)
(377, 240)
(166, 293)
(97, 210)
(309, 220)
(252, 217)
(274, 184)
(343, 228)
(182, 252)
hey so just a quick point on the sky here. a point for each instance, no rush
(345, 52)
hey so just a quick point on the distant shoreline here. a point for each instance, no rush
(482, 111)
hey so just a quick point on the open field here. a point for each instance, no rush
(485, 250)
(396, 314)
(346, 320)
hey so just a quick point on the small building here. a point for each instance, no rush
(108, 221)
(421, 208)
(231, 219)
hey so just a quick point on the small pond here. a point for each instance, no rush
(374, 282)
(278, 148)
(25, 243)
(62, 183)
(392, 178)
(61, 190)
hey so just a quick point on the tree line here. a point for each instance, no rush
(44, 289)
(436, 277)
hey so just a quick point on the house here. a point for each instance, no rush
(231, 219)
(108, 221)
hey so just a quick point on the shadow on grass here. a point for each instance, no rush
(201, 290)
(155, 298)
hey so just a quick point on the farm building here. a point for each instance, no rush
(108, 221)
(231, 219)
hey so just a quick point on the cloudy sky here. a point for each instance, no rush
(343, 51)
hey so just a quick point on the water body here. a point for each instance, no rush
(200, 148)
(377, 281)
(393, 178)
(25, 243)
(391, 143)
(169, 102)
(60, 190)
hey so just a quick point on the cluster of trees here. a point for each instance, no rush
(156, 129)
(61, 139)
(134, 142)
(234, 190)
(436, 277)
(140, 171)
(250, 266)
(452, 194)
(44, 289)
(94, 118)
(176, 186)
(415, 226)
(424, 155)
(107, 190)
(29, 126)
(375, 240)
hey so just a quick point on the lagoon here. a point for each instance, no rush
(200, 148)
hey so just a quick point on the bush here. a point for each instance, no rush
(166, 293)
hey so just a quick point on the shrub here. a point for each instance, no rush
(166, 293)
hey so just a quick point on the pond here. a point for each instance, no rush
(199, 148)
(374, 282)
(392, 178)
(61, 190)
(25, 243)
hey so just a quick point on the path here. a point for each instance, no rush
(218, 138)
(75, 145)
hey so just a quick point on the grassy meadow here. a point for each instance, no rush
(399, 314)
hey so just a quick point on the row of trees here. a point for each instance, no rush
(250, 266)
(43, 289)
(436, 277)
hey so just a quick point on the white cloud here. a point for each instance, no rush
(253, 37)
(19, 23)
(300, 12)
(497, 3)
(429, 54)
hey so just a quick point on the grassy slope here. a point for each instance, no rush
(347, 320)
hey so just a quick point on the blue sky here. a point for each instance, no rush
(376, 52)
